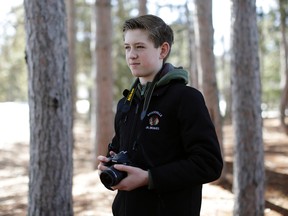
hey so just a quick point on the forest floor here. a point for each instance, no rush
(92, 199)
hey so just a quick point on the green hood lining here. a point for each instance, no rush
(170, 73)
(175, 74)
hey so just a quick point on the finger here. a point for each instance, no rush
(124, 168)
(100, 157)
(118, 167)
(112, 153)
(101, 167)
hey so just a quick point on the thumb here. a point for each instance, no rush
(121, 167)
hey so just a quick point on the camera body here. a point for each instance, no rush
(112, 176)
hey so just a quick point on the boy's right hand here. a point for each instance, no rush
(104, 159)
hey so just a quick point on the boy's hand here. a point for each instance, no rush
(103, 160)
(136, 177)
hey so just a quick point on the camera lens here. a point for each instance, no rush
(108, 178)
(111, 177)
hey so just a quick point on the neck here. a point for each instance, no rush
(144, 81)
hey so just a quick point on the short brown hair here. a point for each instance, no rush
(159, 32)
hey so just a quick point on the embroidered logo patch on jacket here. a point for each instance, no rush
(154, 120)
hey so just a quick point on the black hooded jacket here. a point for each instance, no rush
(167, 131)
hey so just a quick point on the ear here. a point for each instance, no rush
(165, 48)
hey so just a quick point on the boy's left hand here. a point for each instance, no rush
(136, 177)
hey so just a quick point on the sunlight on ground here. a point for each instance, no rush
(14, 125)
(91, 198)
(88, 185)
(224, 201)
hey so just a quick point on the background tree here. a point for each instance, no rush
(249, 173)
(206, 62)
(13, 71)
(283, 5)
(122, 75)
(50, 103)
(191, 47)
(269, 55)
(142, 7)
(102, 115)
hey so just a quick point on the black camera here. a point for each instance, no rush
(112, 176)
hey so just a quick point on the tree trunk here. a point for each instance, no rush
(142, 7)
(206, 63)
(102, 117)
(284, 64)
(192, 47)
(249, 173)
(50, 104)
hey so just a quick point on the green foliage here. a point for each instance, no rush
(269, 46)
(122, 75)
(13, 72)
(83, 18)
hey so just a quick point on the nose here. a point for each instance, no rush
(132, 54)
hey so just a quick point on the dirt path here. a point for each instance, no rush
(92, 199)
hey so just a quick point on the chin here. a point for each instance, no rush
(136, 74)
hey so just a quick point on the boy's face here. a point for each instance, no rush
(143, 59)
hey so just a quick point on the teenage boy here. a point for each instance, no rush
(164, 127)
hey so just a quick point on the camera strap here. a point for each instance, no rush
(148, 95)
(126, 108)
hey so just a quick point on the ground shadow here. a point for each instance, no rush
(276, 184)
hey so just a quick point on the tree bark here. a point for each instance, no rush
(50, 104)
(102, 115)
(142, 7)
(249, 173)
(192, 47)
(284, 65)
(206, 63)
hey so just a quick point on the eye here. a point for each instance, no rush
(140, 47)
(126, 47)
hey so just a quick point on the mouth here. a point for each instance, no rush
(134, 64)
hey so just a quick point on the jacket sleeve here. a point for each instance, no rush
(115, 143)
(202, 160)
